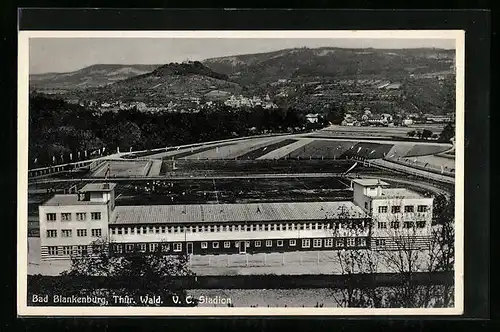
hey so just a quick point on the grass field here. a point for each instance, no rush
(352, 131)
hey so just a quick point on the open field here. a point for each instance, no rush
(231, 191)
(379, 132)
(367, 151)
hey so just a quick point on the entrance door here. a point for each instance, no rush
(189, 248)
(243, 247)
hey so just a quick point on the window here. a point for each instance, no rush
(119, 231)
(339, 242)
(396, 209)
(366, 205)
(150, 230)
(421, 224)
(51, 217)
(119, 248)
(81, 232)
(362, 242)
(227, 228)
(51, 233)
(157, 229)
(66, 232)
(351, 242)
(409, 208)
(67, 250)
(257, 244)
(66, 216)
(382, 224)
(395, 224)
(142, 247)
(227, 244)
(204, 245)
(95, 215)
(97, 248)
(317, 243)
(212, 229)
(178, 247)
(125, 230)
(247, 244)
(52, 250)
(292, 243)
(153, 247)
(129, 247)
(195, 229)
(422, 208)
(163, 229)
(382, 209)
(279, 243)
(408, 224)
(275, 227)
(328, 242)
(113, 231)
(306, 243)
(269, 243)
(308, 226)
(81, 216)
(380, 242)
(301, 226)
(132, 230)
(165, 247)
(215, 245)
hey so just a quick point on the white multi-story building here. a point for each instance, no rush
(70, 222)
(400, 217)
(379, 217)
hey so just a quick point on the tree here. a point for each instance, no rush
(134, 274)
(411, 133)
(426, 133)
(448, 133)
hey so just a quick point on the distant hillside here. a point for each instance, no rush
(330, 62)
(172, 80)
(92, 76)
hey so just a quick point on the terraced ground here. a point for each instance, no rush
(259, 152)
(368, 151)
(425, 149)
(123, 168)
(322, 149)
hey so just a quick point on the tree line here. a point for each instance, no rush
(61, 132)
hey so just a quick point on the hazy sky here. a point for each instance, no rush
(69, 54)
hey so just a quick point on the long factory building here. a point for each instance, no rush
(378, 218)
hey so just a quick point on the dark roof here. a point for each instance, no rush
(234, 212)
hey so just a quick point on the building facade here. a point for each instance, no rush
(376, 218)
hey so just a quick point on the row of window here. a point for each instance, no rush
(80, 216)
(306, 243)
(407, 208)
(218, 228)
(71, 250)
(406, 224)
(96, 232)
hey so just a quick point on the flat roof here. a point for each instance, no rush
(98, 187)
(234, 212)
(69, 199)
(399, 193)
(370, 182)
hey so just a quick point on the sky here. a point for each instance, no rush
(69, 54)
